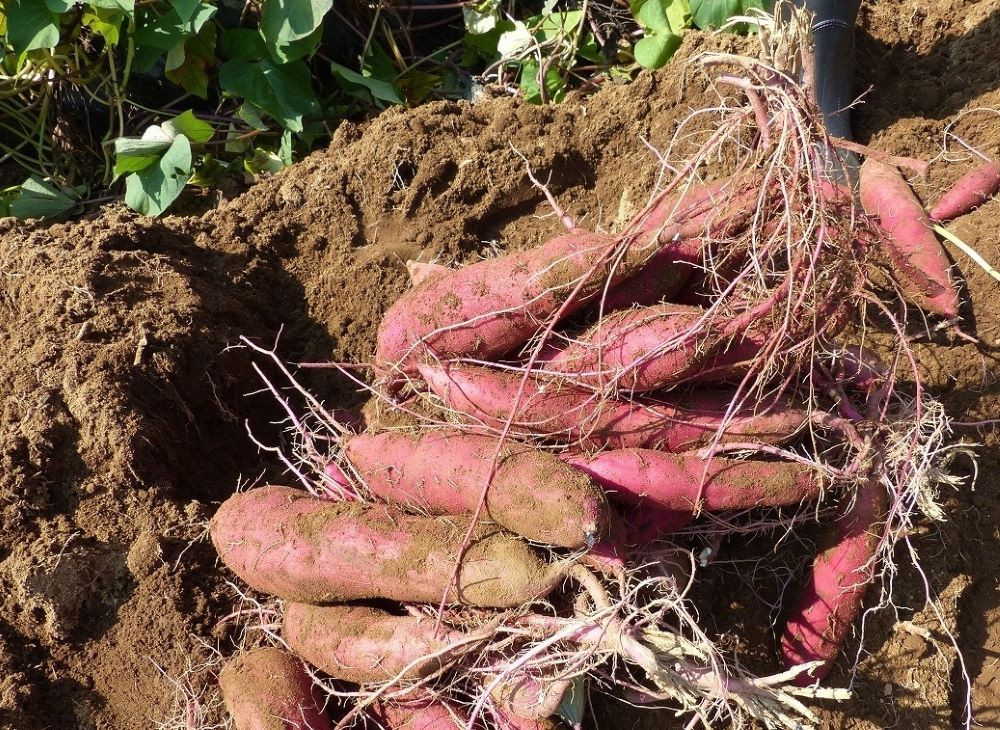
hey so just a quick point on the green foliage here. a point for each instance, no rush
(714, 13)
(663, 22)
(285, 24)
(159, 165)
(273, 82)
(40, 199)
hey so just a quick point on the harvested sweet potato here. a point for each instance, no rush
(298, 547)
(269, 689)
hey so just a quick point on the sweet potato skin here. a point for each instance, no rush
(663, 276)
(488, 308)
(832, 596)
(917, 258)
(566, 413)
(972, 190)
(365, 645)
(283, 541)
(624, 348)
(444, 471)
(269, 689)
(675, 481)
(428, 714)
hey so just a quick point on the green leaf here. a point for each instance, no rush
(59, 6)
(39, 199)
(285, 147)
(252, 115)
(242, 43)
(283, 91)
(105, 21)
(196, 130)
(559, 25)
(555, 86)
(655, 50)
(282, 22)
(31, 25)
(664, 16)
(185, 9)
(125, 6)
(380, 90)
(481, 17)
(158, 35)
(714, 13)
(152, 190)
(133, 155)
(188, 62)
(484, 45)
(263, 161)
(573, 705)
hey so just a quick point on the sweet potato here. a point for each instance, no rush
(490, 307)
(972, 190)
(285, 542)
(366, 645)
(269, 689)
(832, 596)
(633, 349)
(427, 714)
(566, 413)
(663, 276)
(918, 260)
(444, 472)
(529, 697)
(676, 481)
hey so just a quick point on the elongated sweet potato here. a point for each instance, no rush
(428, 714)
(529, 697)
(269, 689)
(444, 472)
(493, 306)
(918, 260)
(364, 645)
(575, 415)
(663, 276)
(832, 596)
(675, 481)
(639, 350)
(285, 542)
(972, 190)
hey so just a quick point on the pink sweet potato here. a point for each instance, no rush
(529, 697)
(639, 350)
(367, 645)
(427, 714)
(832, 597)
(972, 190)
(570, 414)
(675, 481)
(444, 471)
(493, 306)
(285, 542)
(918, 260)
(269, 689)
(663, 276)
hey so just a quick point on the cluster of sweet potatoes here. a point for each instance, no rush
(555, 412)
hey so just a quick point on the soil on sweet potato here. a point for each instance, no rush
(124, 398)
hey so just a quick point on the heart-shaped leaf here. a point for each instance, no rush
(152, 190)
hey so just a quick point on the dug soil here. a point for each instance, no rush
(126, 399)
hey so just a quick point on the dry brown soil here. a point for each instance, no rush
(122, 412)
